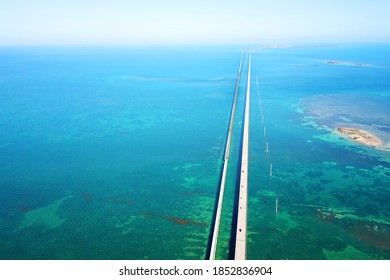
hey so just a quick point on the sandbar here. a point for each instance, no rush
(361, 136)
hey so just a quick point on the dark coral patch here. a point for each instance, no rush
(24, 208)
(183, 222)
(86, 196)
(376, 235)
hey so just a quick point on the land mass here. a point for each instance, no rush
(355, 64)
(361, 136)
(348, 63)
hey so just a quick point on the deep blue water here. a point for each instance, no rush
(116, 153)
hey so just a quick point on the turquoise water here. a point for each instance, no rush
(116, 153)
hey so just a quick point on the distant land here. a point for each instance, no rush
(349, 63)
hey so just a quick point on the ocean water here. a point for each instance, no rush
(116, 153)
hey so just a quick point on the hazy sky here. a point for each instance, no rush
(192, 21)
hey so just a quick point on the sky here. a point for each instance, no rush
(132, 22)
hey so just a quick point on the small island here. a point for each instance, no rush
(348, 63)
(361, 136)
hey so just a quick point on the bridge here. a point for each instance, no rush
(241, 226)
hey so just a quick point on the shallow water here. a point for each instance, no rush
(117, 153)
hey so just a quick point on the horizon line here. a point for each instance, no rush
(202, 44)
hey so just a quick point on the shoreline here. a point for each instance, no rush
(360, 136)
